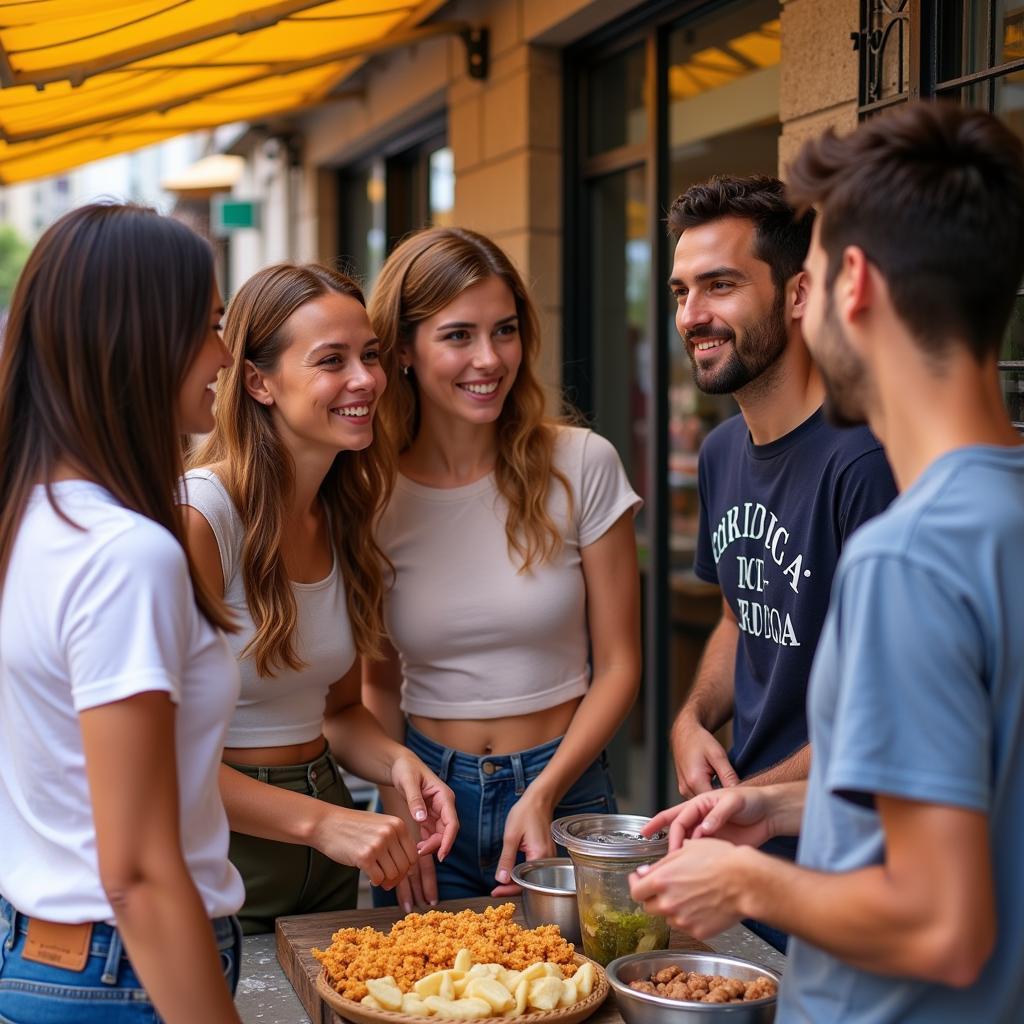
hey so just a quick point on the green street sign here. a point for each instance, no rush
(227, 215)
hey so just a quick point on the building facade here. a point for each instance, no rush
(592, 117)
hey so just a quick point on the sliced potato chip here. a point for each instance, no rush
(463, 960)
(522, 992)
(553, 970)
(585, 977)
(372, 1003)
(386, 992)
(458, 1009)
(486, 971)
(534, 971)
(430, 985)
(414, 1006)
(492, 992)
(544, 993)
(569, 994)
(510, 979)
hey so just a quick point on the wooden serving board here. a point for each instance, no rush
(296, 936)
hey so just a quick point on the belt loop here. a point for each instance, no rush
(263, 774)
(518, 773)
(113, 962)
(446, 764)
(13, 933)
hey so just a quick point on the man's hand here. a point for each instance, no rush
(741, 815)
(698, 757)
(698, 888)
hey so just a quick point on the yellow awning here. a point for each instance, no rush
(83, 79)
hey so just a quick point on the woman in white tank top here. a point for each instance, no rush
(513, 610)
(281, 500)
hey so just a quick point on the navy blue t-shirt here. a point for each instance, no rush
(773, 520)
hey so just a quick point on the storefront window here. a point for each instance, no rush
(660, 106)
(405, 187)
(616, 101)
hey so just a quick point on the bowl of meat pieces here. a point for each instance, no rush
(675, 987)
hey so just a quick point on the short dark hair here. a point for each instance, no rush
(933, 194)
(782, 236)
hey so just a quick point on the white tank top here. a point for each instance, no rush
(288, 707)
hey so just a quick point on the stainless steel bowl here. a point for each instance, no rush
(641, 1008)
(549, 895)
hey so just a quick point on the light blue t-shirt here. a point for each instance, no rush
(917, 692)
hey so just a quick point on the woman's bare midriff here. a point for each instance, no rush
(482, 736)
(275, 757)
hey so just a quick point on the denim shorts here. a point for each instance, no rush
(485, 790)
(106, 991)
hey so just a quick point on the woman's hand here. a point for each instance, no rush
(378, 844)
(527, 828)
(431, 804)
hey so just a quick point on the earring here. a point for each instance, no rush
(405, 370)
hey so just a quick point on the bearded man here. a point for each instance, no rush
(781, 489)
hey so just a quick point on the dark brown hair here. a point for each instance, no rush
(259, 472)
(429, 270)
(934, 195)
(782, 237)
(108, 314)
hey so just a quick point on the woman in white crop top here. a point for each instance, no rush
(282, 499)
(513, 611)
(116, 685)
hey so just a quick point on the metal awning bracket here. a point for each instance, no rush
(478, 54)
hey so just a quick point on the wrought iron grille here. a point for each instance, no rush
(885, 44)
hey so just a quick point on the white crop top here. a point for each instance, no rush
(476, 638)
(287, 707)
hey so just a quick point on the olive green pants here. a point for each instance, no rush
(287, 878)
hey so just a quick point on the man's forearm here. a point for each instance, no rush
(794, 768)
(710, 702)
(862, 917)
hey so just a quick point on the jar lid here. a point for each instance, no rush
(612, 836)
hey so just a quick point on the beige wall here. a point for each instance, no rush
(819, 71)
(506, 132)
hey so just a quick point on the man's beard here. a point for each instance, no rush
(762, 345)
(842, 371)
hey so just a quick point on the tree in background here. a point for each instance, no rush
(14, 251)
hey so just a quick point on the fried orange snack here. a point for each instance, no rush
(422, 943)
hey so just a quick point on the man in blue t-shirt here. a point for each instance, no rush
(781, 489)
(907, 902)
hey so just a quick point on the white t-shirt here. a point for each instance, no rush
(88, 617)
(476, 637)
(288, 707)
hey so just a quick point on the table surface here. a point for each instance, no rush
(265, 996)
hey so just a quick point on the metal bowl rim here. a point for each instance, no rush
(521, 876)
(619, 986)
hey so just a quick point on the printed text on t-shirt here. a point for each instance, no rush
(752, 521)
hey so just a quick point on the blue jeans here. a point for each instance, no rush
(105, 991)
(485, 790)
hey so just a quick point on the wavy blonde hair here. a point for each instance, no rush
(427, 272)
(260, 475)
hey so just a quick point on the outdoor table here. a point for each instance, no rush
(266, 997)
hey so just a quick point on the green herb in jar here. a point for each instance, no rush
(610, 933)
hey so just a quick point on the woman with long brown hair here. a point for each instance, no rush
(116, 684)
(282, 499)
(513, 609)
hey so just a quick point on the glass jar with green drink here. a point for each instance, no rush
(605, 849)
